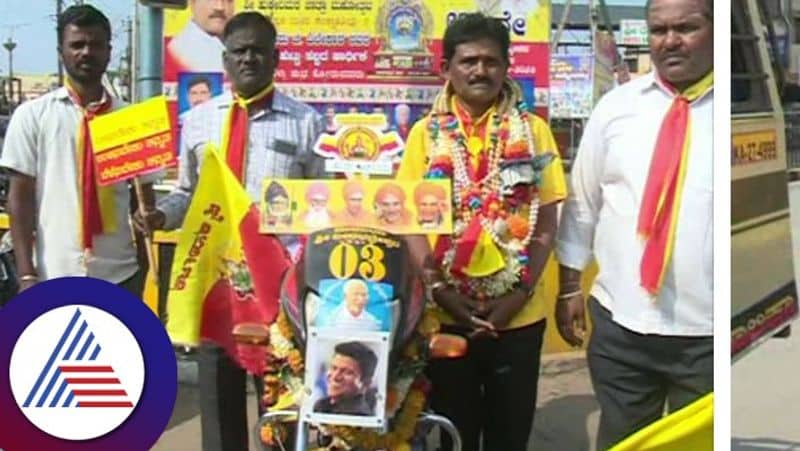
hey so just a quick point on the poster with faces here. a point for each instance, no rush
(346, 377)
(400, 207)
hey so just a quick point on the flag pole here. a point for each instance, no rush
(148, 234)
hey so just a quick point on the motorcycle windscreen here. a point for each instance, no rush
(359, 279)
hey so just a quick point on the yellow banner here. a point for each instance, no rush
(401, 207)
(129, 124)
(379, 56)
(528, 20)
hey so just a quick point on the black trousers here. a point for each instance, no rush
(134, 284)
(491, 391)
(636, 375)
(223, 400)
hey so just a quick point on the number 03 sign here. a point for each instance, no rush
(361, 253)
(347, 261)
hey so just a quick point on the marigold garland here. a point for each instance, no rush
(508, 215)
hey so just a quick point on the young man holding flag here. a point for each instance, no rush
(258, 133)
(77, 227)
(643, 175)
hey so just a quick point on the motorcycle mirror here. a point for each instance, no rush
(251, 333)
(447, 346)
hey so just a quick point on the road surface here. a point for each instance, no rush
(765, 404)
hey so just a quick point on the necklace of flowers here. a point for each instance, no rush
(511, 139)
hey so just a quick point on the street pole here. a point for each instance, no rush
(10, 46)
(149, 48)
(127, 66)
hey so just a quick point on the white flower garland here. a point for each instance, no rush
(504, 280)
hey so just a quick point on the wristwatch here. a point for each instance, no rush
(430, 288)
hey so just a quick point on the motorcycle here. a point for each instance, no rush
(401, 333)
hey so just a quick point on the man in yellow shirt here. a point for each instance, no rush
(507, 181)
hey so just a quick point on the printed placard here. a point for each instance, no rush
(132, 141)
(346, 377)
(354, 304)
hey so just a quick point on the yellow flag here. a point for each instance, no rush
(207, 241)
(225, 273)
(691, 428)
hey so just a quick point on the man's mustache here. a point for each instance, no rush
(218, 15)
(481, 81)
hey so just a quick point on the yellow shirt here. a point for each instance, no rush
(553, 188)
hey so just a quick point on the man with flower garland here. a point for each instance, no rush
(268, 135)
(641, 206)
(507, 183)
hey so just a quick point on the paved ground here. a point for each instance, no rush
(566, 418)
(765, 404)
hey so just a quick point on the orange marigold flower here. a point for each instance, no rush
(273, 434)
(268, 435)
(516, 149)
(283, 325)
(296, 361)
(518, 227)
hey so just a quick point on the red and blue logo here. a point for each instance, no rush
(90, 367)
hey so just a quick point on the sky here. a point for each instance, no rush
(32, 26)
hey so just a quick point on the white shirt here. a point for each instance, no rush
(41, 143)
(196, 50)
(600, 215)
(364, 321)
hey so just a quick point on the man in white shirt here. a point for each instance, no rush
(652, 339)
(353, 312)
(198, 46)
(77, 227)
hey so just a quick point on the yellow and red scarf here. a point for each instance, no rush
(98, 209)
(235, 134)
(658, 216)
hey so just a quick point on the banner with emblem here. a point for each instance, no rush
(353, 56)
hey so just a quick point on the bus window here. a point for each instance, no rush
(749, 92)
